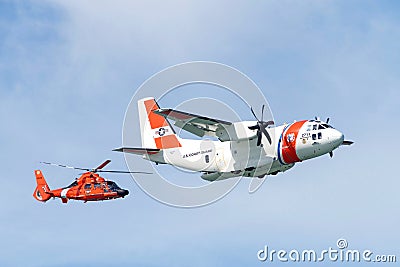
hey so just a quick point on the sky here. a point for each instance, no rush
(68, 70)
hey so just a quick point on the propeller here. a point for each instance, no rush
(331, 154)
(327, 120)
(261, 126)
(98, 169)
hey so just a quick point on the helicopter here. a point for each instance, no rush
(88, 187)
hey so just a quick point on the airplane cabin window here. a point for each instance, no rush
(207, 158)
(88, 186)
(314, 127)
(314, 137)
(319, 135)
(97, 185)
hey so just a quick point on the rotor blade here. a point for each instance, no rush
(252, 111)
(266, 135)
(64, 166)
(101, 166)
(327, 120)
(124, 172)
(331, 154)
(258, 138)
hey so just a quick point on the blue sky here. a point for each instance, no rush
(68, 70)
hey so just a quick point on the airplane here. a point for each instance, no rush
(88, 187)
(244, 148)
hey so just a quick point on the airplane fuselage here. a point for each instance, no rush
(291, 143)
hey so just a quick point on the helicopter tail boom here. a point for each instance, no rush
(42, 191)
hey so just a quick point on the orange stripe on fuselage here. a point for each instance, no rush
(289, 138)
(168, 141)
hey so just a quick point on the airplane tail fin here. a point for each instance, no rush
(42, 191)
(155, 130)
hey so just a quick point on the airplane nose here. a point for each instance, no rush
(337, 138)
(122, 192)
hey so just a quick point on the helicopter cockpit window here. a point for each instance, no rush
(314, 127)
(88, 186)
(97, 185)
(112, 185)
(321, 126)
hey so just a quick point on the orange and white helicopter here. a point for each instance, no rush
(241, 149)
(89, 187)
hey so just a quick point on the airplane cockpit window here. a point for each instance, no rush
(314, 137)
(321, 126)
(326, 126)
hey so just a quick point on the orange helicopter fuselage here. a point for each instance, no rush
(89, 187)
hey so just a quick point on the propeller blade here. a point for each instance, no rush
(327, 120)
(265, 132)
(261, 126)
(331, 154)
(262, 112)
(255, 127)
(268, 123)
(101, 166)
(259, 138)
(123, 172)
(252, 111)
(65, 166)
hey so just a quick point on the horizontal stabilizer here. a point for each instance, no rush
(138, 150)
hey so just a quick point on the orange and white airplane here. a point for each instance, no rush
(245, 148)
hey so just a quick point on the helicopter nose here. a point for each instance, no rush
(122, 192)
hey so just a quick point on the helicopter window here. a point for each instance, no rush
(97, 185)
(75, 183)
(321, 127)
(314, 137)
(327, 125)
(314, 127)
(319, 135)
(88, 186)
(207, 158)
(112, 185)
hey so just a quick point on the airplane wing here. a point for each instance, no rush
(196, 124)
(137, 150)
